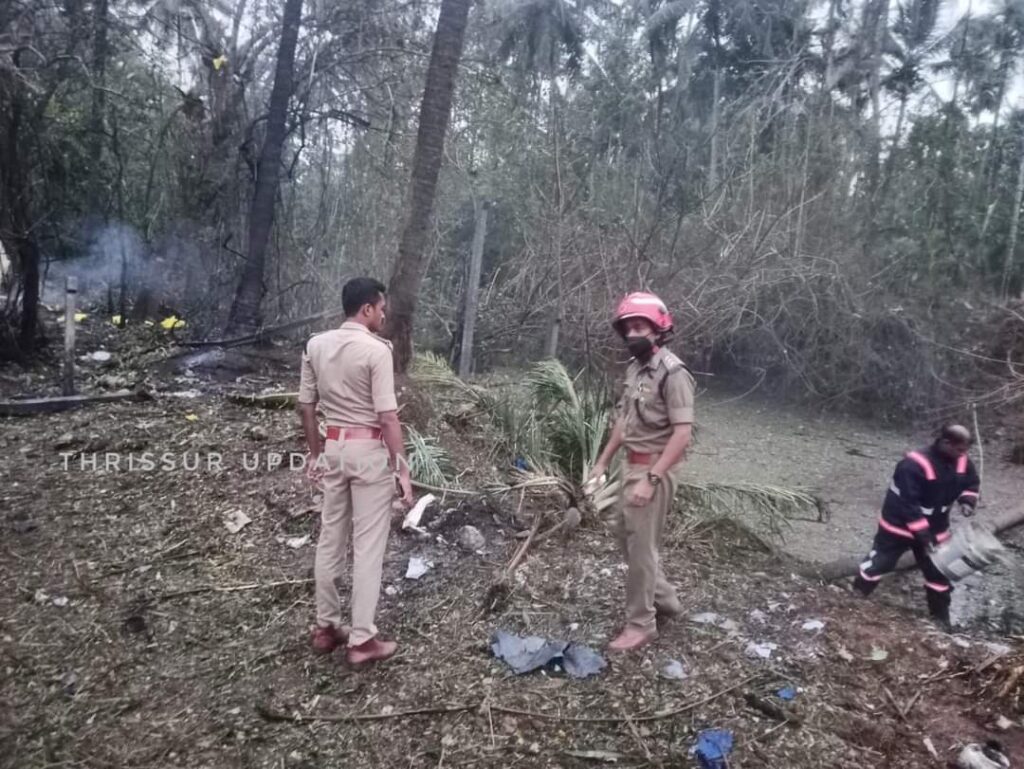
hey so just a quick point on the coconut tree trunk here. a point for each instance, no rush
(245, 310)
(435, 112)
(1011, 246)
(476, 258)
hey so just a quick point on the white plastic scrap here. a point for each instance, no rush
(760, 650)
(412, 518)
(417, 567)
(236, 520)
(674, 670)
(813, 625)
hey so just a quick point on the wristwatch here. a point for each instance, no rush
(653, 478)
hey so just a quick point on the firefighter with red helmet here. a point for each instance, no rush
(653, 423)
(915, 515)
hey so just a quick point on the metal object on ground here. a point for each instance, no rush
(971, 549)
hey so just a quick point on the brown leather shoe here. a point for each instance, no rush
(370, 651)
(327, 639)
(632, 638)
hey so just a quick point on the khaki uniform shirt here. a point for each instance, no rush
(648, 418)
(350, 371)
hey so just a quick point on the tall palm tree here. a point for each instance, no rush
(435, 113)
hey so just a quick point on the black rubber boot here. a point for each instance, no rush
(863, 586)
(938, 607)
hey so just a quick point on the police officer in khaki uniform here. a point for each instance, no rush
(654, 421)
(349, 372)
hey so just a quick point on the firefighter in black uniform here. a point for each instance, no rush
(916, 511)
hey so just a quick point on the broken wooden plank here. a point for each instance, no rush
(31, 406)
(267, 401)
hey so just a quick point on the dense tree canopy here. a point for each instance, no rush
(820, 188)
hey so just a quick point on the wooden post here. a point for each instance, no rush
(70, 289)
(476, 256)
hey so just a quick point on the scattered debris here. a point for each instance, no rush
(674, 670)
(60, 601)
(762, 651)
(813, 625)
(191, 417)
(41, 596)
(529, 653)
(391, 590)
(712, 748)
(236, 520)
(412, 518)
(787, 693)
(417, 567)
(172, 322)
(296, 542)
(606, 756)
(69, 683)
(258, 433)
(1001, 723)
(770, 709)
(987, 756)
(844, 654)
(267, 400)
(930, 747)
(471, 539)
(707, 618)
(64, 441)
(100, 356)
(758, 616)
(878, 655)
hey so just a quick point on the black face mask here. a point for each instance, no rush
(640, 347)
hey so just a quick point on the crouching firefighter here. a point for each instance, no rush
(916, 511)
(654, 419)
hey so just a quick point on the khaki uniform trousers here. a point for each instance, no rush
(639, 531)
(359, 488)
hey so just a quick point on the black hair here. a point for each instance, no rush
(360, 291)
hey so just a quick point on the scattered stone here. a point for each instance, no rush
(112, 382)
(236, 520)
(258, 433)
(471, 539)
(64, 441)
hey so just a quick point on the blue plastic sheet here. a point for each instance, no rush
(525, 654)
(712, 748)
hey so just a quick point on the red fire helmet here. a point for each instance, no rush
(641, 304)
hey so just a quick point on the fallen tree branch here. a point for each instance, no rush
(266, 401)
(51, 405)
(847, 567)
(232, 588)
(272, 715)
(484, 705)
(263, 333)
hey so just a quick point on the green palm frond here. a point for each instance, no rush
(432, 370)
(772, 506)
(429, 462)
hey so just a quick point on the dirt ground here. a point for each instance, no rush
(136, 630)
(847, 462)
